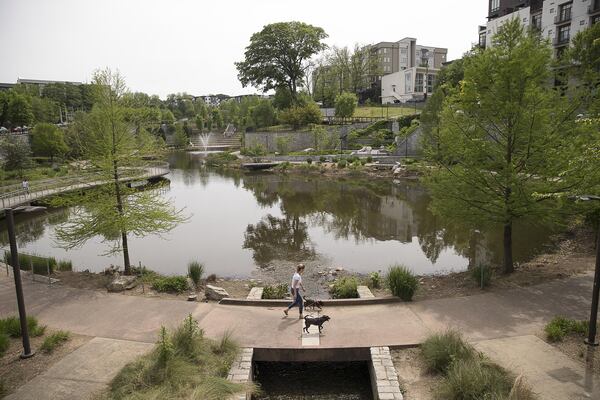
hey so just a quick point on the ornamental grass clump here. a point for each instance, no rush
(4, 343)
(402, 282)
(560, 327)
(475, 379)
(440, 350)
(195, 272)
(11, 326)
(54, 340)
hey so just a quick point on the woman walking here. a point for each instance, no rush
(295, 288)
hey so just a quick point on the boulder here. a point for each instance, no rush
(121, 283)
(215, 293)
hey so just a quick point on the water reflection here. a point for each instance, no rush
(244, 220)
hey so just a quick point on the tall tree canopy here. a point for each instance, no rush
(277, 56)
(505, 137)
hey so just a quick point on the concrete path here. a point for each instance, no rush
(82, 373)
(552, 374)
(515, 312)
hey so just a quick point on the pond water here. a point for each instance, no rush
(240, 222)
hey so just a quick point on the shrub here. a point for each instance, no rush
(11, 326)
(560, 327)
(482, 270)
(475, 379)
(441, 350)
(369, 159)
(4, 343)
(309, 160)
(254, 151)
(298, 116)
(402, 282)
(54, 340)
(219, 159)
(65, 265)
(172, 284)
(342, 164)
(185, 337)
(323, 159)
(195, 271)
(275, 291)
(375, 280)
(345, 288)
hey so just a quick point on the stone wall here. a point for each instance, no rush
(412, 146)
(241, 371)
(384, 379)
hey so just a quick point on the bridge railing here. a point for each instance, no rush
(39, 189)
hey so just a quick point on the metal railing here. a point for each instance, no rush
(13, 195)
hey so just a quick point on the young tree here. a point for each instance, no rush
(113, 148)
(345, 104)
(15, 153)
(48, 140)
(199, 123)
(277, 55)
(263, 114)
(505, 136)
(217, 118)
(180, 139)
(19, 110)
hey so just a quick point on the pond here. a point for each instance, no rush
(241, 223)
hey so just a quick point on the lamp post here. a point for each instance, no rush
(591, 339)
(425, 63)
(10, 222)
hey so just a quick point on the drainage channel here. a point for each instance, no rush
(318, 374)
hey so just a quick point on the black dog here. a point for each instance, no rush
(313, 304)
(319, 321)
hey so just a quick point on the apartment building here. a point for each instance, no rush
(412, 73)
(557, 20)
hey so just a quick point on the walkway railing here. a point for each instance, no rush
(13, 195)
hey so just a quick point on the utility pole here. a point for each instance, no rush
(10, 221)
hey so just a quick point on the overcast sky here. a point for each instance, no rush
(173, 46)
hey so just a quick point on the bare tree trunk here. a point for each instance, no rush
(127, 265)
(508, 253)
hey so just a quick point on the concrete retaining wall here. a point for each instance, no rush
(384, 379)
(241, 372)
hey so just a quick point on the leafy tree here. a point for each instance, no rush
(48, 140)
(167, 117)
(75, 135)
(505, 135)
(277, 55)
(19, 110)
(298, 116)
(209, 124)
(199, 122)
(263, 114)
(44, 110)
(180, 139)
(217, 118)
(15, 154)
(115, 211)
(345, 104)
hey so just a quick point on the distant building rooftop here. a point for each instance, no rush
(44, 82)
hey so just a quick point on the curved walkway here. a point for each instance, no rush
(514, 312)
(57, 186)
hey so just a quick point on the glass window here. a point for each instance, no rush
(403, 51)
(408, 82)
(595, 19)
(430, 83)
(419, 83)
(564, 12)
(494, 5)
(482, 39)
(536, 21)
(564, 34)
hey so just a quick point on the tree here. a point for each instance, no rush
(505, 136)
(217, 118)
(19, 110)
(180, 139)
(298, 116)
(277, 55)
(199, 123)
(48, 140)
(345, 104)
(15, 154)
(113, 148)
(263, 114)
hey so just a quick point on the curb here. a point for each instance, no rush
(328, 302)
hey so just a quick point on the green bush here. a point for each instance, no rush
(271, 292)
(345, 288)
(4, 343)
(441, 350)
(475, 379)
(170, 284)
(375, 280)
(309, 160)
(254, 151)
(220, 159)
(11, 326)
(54, 340)
(323, 159)
(195, 272)
(402, 282)
(477, 272)
(342, 164)
(369, 159)
(560, 327)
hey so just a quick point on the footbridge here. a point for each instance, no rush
(15, 195)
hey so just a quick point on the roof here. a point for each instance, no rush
(44, 82)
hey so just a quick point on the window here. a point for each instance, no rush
(408, 82)
(482, 40)
(403, 60)
(564, 12)
(419, 83)
(385, 51)
(404, 51)
(536, 21)
(430, 83)
(595, 19)
(564, 34)
(494, 5)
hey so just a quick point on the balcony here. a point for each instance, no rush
(561, 41)
(563, 18)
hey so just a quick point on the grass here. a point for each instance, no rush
(272, 292)
(560, 327)
(11, 326)
(195, 272)
(54, 340)
(402, 282)
(184, 364)
(374, 280)
(345, 288)
(467, 374)
(376, 111)
(476, 274)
